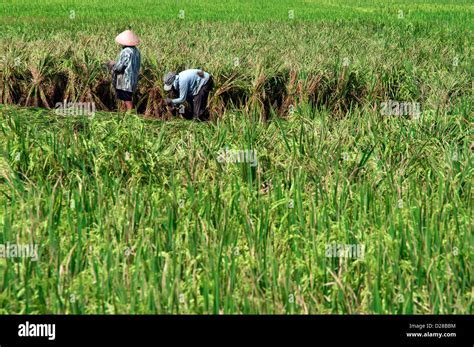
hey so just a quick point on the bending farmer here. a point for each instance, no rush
(193, 86)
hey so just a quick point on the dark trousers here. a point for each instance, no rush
(199, 105)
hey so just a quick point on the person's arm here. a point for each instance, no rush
(183, 92)
(124, 60)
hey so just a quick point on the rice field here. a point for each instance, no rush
(305, 193)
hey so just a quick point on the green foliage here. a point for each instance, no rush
(137, 215)
(140, 216)
(337, 54)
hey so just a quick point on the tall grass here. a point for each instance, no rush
(334, 58)
(138, 215)
(167, 228)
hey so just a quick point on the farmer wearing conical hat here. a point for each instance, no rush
(125, 70)
(193, 86)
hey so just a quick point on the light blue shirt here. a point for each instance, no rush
(188, 83)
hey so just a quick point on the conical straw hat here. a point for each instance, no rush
(127, 38)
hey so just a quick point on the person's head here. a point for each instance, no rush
(168, 81)
(127, 39)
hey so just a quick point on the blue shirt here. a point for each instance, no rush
(188, 83)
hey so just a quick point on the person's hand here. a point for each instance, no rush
(111, 64)
(168, 102)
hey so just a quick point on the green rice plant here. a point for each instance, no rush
(11, 64)
(372, 57)
(139, 215)
(84, 77)
(38, 89)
